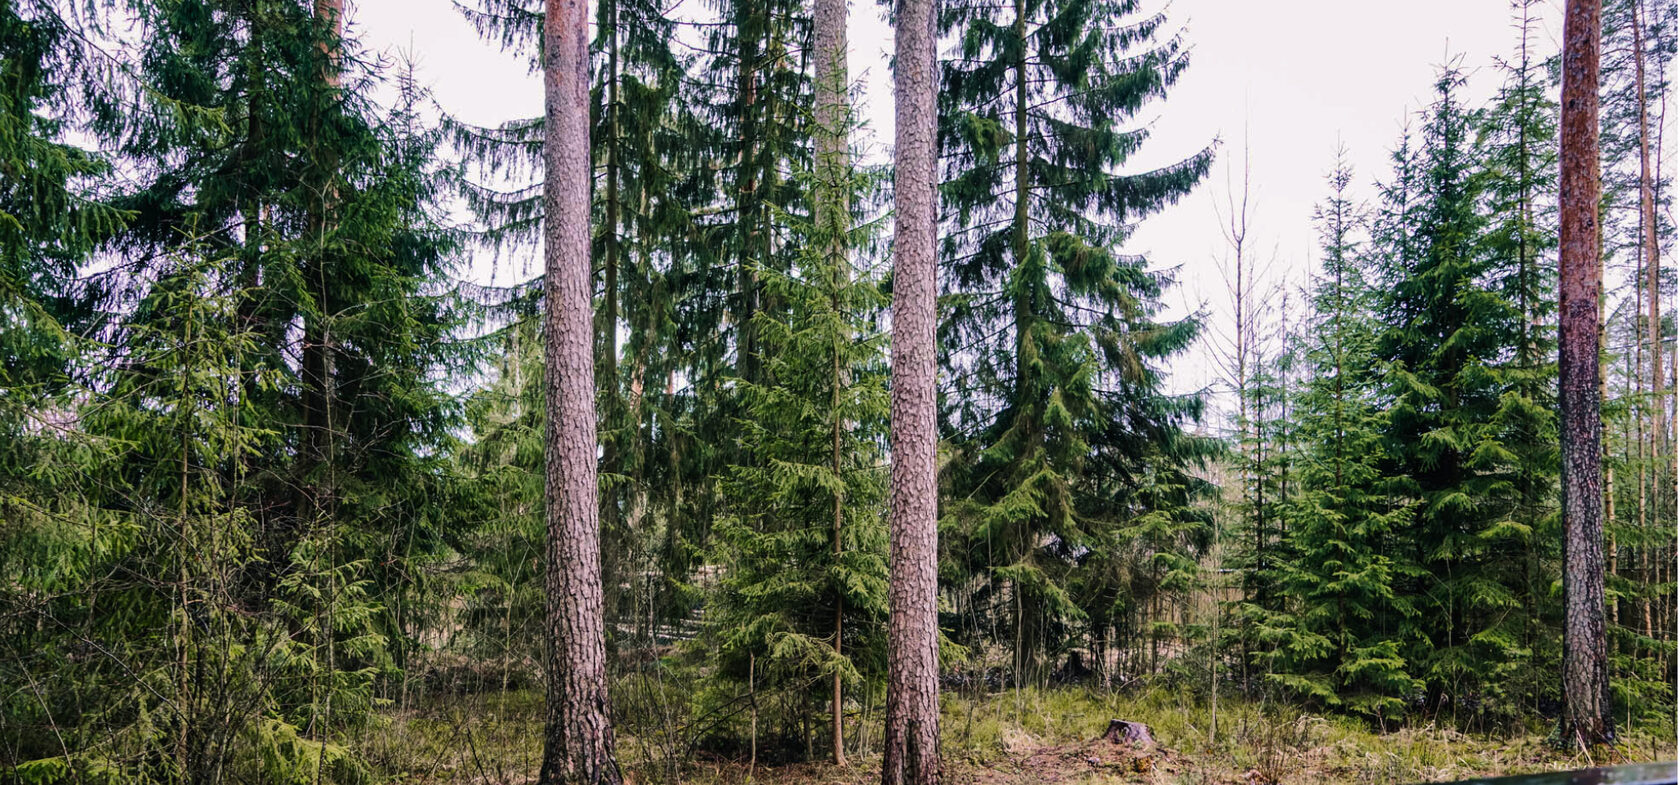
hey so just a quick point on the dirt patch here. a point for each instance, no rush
(1096, 760)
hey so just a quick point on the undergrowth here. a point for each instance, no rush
(1009, 737)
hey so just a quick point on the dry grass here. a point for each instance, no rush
(1025, 738)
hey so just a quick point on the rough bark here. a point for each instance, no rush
(1586, 685)
(833, 166)
(578, 743)
(910, 754)
(832, 103)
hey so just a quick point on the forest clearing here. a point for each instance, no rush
(816, 392)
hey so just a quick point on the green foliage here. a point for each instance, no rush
(802, 601)
(1422, 540)
(1456, 422)
(1338, 640)
(251, 412)
(264, 464)
(1062, 440)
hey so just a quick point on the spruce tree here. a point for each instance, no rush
(293, 137)
(51, 221)
(1519, 134)
(1338, 641)
(758, 59)
(1051, 334)
(1448, 439)
(263, 199)
(805, 592)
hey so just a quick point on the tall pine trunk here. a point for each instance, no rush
(578, 743)
(910, 754)
(1586, 684)
(833, 217)
(1648, 227)
(1651, 267)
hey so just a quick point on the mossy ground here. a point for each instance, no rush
(1028, 737)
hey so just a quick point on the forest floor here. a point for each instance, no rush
(1009, 738)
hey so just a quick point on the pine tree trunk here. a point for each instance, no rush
(614, 209)
(832, 208)
(910, 754)
(1648, 224)
(578, 744)
(1652, 265)
(1586, 715)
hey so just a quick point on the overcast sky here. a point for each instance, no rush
(1293, 77)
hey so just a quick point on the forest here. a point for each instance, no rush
(780, 461)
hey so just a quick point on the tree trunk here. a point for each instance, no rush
(610, 245)
(833, 218)
(1648, 227)
(1586, 714)
(910, 754)
(1652, 265)
(578, 743)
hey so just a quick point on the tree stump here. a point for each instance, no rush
(1120, 731)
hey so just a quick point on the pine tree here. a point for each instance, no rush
(658, 221)
(1051, 332)
(910, 742)
(1586, 686)
(578, 741)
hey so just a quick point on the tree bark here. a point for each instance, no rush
(833, 209)
(833, 109)
(1586, 686)
(910, 754)
(578, 743)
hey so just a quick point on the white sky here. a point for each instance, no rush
(1294, 77)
